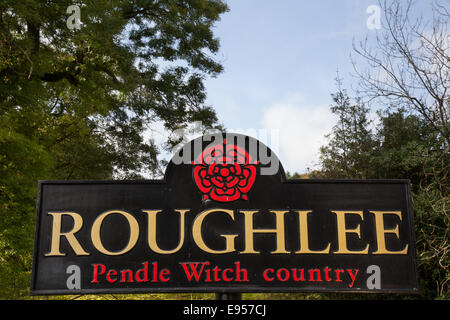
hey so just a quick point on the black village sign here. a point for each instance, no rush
(224, 219)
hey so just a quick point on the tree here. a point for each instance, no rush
(409, 66)
(350, 143)
(130, 64)
(408, 70)
(404, 146)
(75, 103)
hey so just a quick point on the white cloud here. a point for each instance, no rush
(291, 127)
(302, 128)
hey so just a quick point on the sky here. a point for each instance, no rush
(280, 60)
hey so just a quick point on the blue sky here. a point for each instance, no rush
(280, 60)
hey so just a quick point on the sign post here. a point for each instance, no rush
(224, 219)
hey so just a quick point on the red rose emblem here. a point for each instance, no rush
(224, 172)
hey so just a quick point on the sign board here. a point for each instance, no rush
(224, 219)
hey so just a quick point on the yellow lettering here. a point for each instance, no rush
(95, 232)
(250, 231)
(304, 241)
(197, 232)
(381, 231)
(343, 231)
(152, 231)
(70, 236)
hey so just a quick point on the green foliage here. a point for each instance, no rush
(348, 152)
(296, 175)
(413, 141)
(74, 104)
(22, 161)
(404, 146)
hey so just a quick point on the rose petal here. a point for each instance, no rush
(216, 182)
(232, 183)
(225, 198)
(238, 169)
(245, 184)
(200, 180)
(211, 168)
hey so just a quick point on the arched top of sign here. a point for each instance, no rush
(225, 166)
